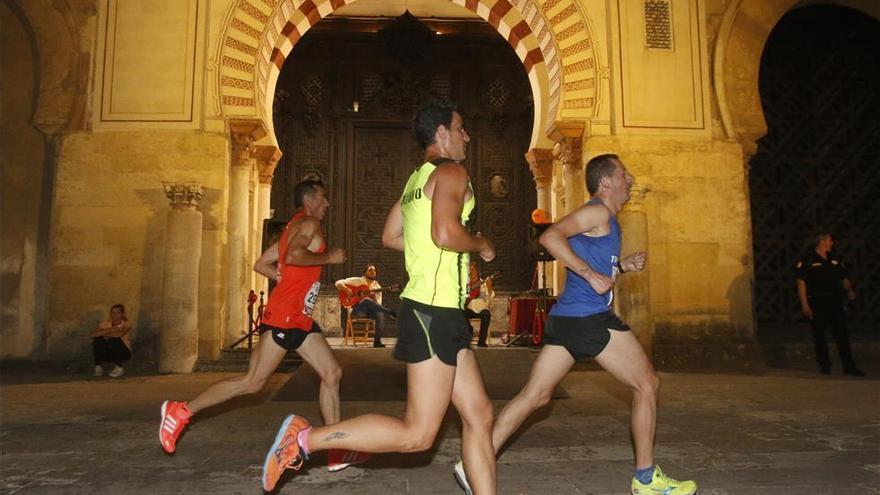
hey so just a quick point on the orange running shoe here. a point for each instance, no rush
(285, 453)
(175, 416)
(339, 459)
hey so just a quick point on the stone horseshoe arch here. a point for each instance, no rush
(60, 103)
(743, 33)
(553, 40)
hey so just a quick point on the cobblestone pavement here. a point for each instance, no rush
(778, 432)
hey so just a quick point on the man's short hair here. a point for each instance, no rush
(820, 237)
(429, 117)
(121, 308)
(598, 168)
(303, 189)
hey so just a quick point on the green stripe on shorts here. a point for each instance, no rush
(425, 328)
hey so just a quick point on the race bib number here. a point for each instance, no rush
(311, 299)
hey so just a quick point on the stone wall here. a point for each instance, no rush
(22, 176)
(108, 232)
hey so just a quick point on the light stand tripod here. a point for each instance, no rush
(254, 323)
(539, 317)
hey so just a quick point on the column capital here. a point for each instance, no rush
(267, 159)
(248, 130)
(183, 195)
(540, 163)
(569, 137)
(244, 133)
(570, 153)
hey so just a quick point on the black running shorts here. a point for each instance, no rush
(289, 338)
(425, 331)
(583, 336)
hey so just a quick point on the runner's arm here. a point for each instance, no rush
(555, 238)
(267, 265)
(392, 234)
(447, 202)
(301, 235)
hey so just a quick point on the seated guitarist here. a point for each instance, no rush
(371, 304)
(479, 300)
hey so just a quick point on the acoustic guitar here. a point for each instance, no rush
(359, 292)
(479, 283)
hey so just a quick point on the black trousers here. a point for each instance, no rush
(831, 315)
(112, 350)
(485, 317)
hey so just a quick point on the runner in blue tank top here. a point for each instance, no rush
(601, 253)
(581, 324)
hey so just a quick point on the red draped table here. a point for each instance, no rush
(525, 320)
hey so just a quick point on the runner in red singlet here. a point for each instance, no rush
(295, 262)
(291, 302)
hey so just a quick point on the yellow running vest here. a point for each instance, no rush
(437, 277)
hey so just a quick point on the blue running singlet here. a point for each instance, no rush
(578, 298)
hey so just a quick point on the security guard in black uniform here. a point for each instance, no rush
(821, 282)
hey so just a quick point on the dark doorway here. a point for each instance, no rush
(818, 167)
(343, 110)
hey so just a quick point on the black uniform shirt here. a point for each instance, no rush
(822, 276)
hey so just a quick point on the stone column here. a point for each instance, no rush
(633, 290)
(541, 164)
(569, 137)
(557, 276)
(243, 135)
(179, 333)
(267, 160)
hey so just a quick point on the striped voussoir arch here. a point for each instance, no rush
(260, 34)
(573, 35)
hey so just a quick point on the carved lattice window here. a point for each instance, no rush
(313, 90)
(371, 84)
(658, 24)
(497, 93)
(440, 85)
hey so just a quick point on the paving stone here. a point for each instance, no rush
(779, 432)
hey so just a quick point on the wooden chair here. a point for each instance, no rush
(358, 329)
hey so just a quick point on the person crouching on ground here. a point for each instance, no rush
(110, 342)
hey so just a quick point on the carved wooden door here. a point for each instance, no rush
(343, 111)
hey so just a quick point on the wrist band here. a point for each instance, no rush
(620, 267)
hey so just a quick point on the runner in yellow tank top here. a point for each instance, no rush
(437, 276)
(434, 341)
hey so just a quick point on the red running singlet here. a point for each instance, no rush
(291, 302)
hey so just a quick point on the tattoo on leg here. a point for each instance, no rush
(336, 435)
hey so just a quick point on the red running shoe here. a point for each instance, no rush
(339, 459)
(285, 453)
(175, 416)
